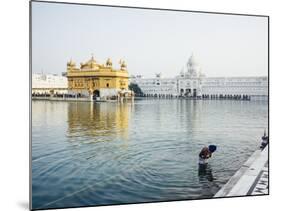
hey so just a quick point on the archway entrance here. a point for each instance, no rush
(96, 93)
(194, 93)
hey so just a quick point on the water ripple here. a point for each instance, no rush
(95, 154)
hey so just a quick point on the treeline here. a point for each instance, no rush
(136, 89)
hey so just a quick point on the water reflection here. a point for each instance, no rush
(81, 156)
(98, 120)
(205, 173)
(209, 183)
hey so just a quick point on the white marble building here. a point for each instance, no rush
(192, 83)
(189, 81)
(48, 84)
(156, 87)
(256, 87)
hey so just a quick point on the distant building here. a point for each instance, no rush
(192, 83)
(256, 87)
(48, 84)
(188, 83)
(156, 87)
(100, 80)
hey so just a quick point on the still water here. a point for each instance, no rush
(110, 153)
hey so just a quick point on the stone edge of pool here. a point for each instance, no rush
(250, 179)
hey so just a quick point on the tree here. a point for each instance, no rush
(136, 89)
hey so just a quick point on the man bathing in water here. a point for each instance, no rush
(206, 153)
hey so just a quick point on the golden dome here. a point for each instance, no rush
(71, 63)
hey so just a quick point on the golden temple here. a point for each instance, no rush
(98, 80)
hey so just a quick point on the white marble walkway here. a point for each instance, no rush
(250, 179)
(261, 186)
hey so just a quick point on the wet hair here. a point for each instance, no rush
(212, 148)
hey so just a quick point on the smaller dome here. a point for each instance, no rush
(71, 63)
(123, 65)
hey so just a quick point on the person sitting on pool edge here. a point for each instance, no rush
(206, 153)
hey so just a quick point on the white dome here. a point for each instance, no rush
(193, 67)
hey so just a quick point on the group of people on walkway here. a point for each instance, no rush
(226, 97)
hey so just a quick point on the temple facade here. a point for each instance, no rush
(190, 82)
(98, 80)
(187, 84)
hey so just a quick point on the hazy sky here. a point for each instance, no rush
(150, 41)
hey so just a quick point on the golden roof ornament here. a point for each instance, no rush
(108, 62)
(71, 63)
(123, 64)
(92, 60)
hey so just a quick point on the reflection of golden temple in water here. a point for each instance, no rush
(99, 120)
